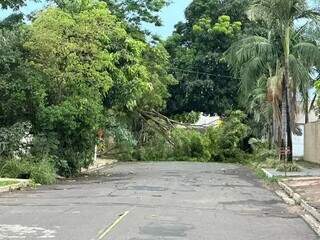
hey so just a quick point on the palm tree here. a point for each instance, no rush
(260, 108)
(282, 59)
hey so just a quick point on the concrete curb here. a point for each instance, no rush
(304, 173)
(22, 183)
(313, 223)
(97, 168)
(267, 173)
(311, 215)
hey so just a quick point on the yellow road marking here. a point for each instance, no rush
(116, 222)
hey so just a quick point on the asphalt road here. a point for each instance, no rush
(151, 201)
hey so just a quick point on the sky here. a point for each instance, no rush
(170, 15)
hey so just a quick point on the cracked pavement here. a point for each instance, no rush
(151, 201)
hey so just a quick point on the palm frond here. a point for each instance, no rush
(248, 48)
(299, 74)
(308, 53)
(249, 73)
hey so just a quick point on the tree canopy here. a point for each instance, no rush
(14, 4)
(285, 61)
(82, 75)
(196, 49)
(73, 64)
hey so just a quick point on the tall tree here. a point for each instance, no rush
(137, 11)
(14, 4)
(282, 59)
(90, 65)
(196, 48)
(20, 92)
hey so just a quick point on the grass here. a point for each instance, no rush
(4, 183)
(261, 175)
(288, 167)
(42, 172)
(278, 165)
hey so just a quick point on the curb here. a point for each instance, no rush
(95, 169)
(267, 173)
(22, 183)
(311, 215)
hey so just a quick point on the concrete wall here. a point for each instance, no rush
(312, 142)
(298, 143)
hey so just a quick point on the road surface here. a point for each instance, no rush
(151, 201)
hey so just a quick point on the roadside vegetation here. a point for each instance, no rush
(220, 144)
(84, 73)
(5, 183)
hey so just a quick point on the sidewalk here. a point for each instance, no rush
(307, 170)
(305, 192)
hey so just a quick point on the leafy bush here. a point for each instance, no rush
(220, 143)
(75, 123)
(44, 145)
(288, 167)
(261, 151)
(225, 139)
(14, 140)
(157, 149)
(43, 172)
(118, 139)
(191, 117)
(278, 165)
(26, 156)
(269, 163)
(40, 170)
(190, 145)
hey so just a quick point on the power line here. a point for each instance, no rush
(205, 73)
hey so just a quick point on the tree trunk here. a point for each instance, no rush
(306, 107)
(289, 131)
(283, 130)
(286, 92)
(270, 135)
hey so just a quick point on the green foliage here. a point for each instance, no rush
(221, 143)
(137, 12)
(317, 87)
(190, 145)
(262, 175)
(261, 150)
(25, 156)
(191, 117)
(278, 165)
(44, 145)
(84, 66)
(157, 149)
(90, 64)
(196, 48)
(225, 140)
(223, 26)
(41, 171)
(288, 167)
(11, 22)
(75, 122)
(4, 183)
(269, 163)
(186, 145)
(14, 139)
(268, 64)
(14, 4)
(21, 92)
(156, 59)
